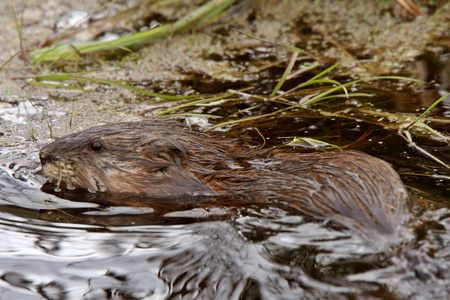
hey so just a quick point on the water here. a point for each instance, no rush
(56, 245)
(54, 248)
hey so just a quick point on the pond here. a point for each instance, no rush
(76, 245)
(62, 249)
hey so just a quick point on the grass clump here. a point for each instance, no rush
(74, 51)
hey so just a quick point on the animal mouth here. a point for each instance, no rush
(43, 158)
(54, 171)
(66, 175)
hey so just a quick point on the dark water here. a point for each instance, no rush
(54, 248)
(59, 249)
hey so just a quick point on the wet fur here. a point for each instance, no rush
(161, 157)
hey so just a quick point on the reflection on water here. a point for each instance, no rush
(61, 249)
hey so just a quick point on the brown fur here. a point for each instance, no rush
(161, 157)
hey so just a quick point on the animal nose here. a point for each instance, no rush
(43, 158)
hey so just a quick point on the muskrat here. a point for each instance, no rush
(161, 157)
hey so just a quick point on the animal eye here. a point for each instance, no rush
(96, 146)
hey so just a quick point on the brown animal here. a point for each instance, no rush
(162, 158)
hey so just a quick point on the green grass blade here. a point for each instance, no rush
(332, 90)
(328, 70)
(433, 131)
(60, 86)
(347, 95)
(201, 14)
(313, 142)
(72, 51)
(69, 77)
(433, 17)
(430, 108)
(407, 136)
(48, 67)
(9, 59)
(339, 85)
(19, 25)
(312, 80)
(193, 103)
(249, 118)
(286, 73)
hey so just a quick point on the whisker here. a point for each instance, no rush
(82, 177)
(58, 183)
(68, 171)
